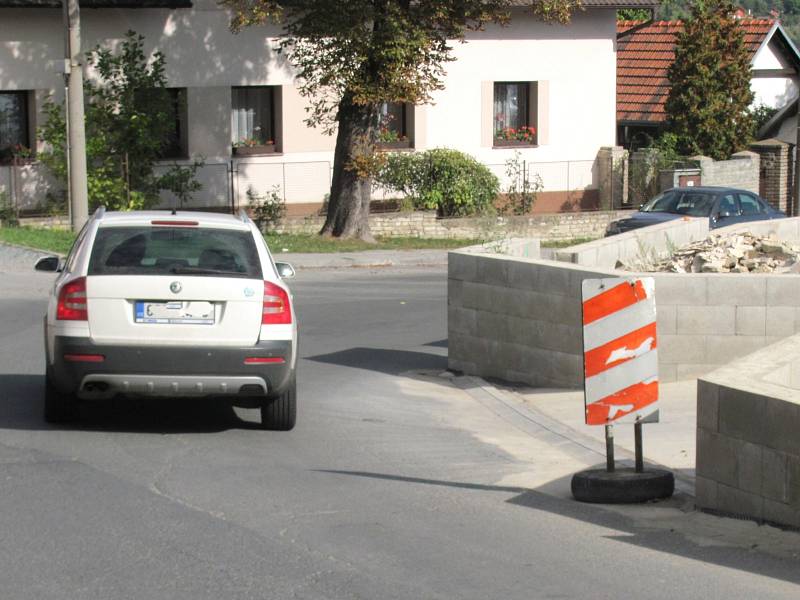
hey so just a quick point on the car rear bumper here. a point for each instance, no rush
(102, 371)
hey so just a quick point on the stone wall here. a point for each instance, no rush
(748, 447)
(560, 226)
(741, 171)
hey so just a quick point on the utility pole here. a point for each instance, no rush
(78, 189)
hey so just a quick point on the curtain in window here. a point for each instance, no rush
(392, 118)
(13, 120)
(251, 117)
(510, 106)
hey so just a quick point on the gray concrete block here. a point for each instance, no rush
(523, 275)
(680, 290)
(780, 320)
(477, 296)
(741, 415)
(748, 468)
(723, 289)
(455, 292)
(676, 349)
(707, 405)
(462, 266)
(722, 349)
(751, 320)
(793, 480)
(462, 320)
(666, 315)
(492, 326)
(774, 475)
(781, 425)
(456, 365)
(716, 320)
(667, 373)
(554, 280)
(739, 502)
(716, 457)
(780, 513)
(493, 270)
(783, 290)
(705, 492)
(686, 371)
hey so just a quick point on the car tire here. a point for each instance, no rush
(279, 413)
(58, 406)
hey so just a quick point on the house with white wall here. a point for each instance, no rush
(237, 105)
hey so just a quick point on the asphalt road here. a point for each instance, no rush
(394, 484)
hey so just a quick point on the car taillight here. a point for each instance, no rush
(72, 301)
(277, 310)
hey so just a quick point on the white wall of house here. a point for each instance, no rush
(775, 91)
(574, 65)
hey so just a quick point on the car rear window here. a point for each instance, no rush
(174, 251)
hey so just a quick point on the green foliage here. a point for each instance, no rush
(522, 188)
(761, 114)
(710, 95)
(268, 209)
(127, 112)
(633, 14)
(8, 214)
(448, 181)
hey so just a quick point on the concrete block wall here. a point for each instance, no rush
(741, 171)
(635, 246)
(748, 447)
(520, 319)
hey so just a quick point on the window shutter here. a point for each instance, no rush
(540, 108)
(487, 118)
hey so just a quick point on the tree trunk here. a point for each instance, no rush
(351, 190)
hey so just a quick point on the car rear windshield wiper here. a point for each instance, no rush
(183, 270)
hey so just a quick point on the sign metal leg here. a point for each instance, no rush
(610, 447)
(637, 434)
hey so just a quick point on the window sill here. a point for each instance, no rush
(397, 145)
(254, 150)
(513, 144)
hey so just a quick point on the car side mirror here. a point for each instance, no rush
(285, 270)
(723, 214)
(49, 264)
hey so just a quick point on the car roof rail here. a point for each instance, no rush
(98, 214)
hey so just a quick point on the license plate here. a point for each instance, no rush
(175, 313)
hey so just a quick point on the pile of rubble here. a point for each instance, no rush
(733, 253)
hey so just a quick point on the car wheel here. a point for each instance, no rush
(280, 412)
(58, 407)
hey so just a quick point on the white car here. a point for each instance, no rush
(167, 304)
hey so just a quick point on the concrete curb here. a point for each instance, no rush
(512, 408)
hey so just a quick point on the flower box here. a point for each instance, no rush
(500, 143)
(254, 150)
(395, 145)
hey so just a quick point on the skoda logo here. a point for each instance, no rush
(175, 287)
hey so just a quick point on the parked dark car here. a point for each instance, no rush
(723, 206)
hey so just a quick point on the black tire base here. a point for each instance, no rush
(623, 486)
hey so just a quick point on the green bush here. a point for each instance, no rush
(448, 181)
(268, 210)
(8, 214)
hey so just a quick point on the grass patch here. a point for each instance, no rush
(315, 243)
(566, 243)
(60, 240)
(57, 241)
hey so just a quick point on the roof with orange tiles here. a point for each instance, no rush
(645, 52)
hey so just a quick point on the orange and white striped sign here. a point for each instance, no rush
(620, 360)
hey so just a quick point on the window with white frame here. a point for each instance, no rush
(253, 118)
(393, 124)
(15, 139)
(514, 113)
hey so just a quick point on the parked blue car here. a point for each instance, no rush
(723, 206)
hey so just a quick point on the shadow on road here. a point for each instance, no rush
(390, 362)
(668, 540)
(21, 398)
